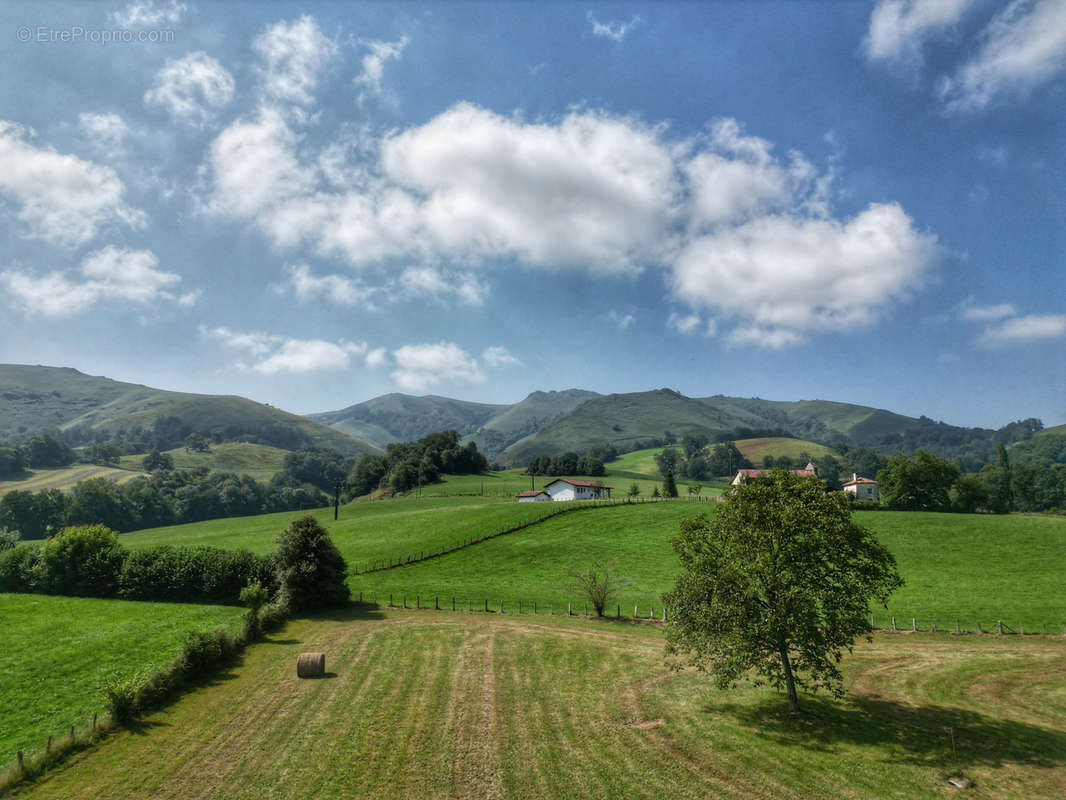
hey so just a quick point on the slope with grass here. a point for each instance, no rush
(365, 532)
(441, 705)
(59, 651)
(259, 461)
(756, 450)
(507, 483)
(35, 399)
(526, 418)
(64, 478)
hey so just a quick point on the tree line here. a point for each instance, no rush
(407, 465)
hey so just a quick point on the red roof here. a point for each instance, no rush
(859, 480)
(531, 493)
(575, 482)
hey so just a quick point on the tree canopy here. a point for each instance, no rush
(778, 583)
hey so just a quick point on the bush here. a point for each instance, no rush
(84, 561)
(193, 574)
(17, 568)
(311, 570)
(9, 539)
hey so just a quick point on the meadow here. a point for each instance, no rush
(258, 461)
(65, 477)
(443, 705)
(59, 651)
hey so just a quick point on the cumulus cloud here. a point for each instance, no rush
(108, 275)
(974, 313)
(683, 323)
(61, 198)
(420, 366)
(106, 131)
(796, 274)
(739, 229)
(1022, 330)
(620, 319)
(369, 80)
(337, 289)
(499, 356)
(898, 28)
(294, 55)
(272, 354)
(191, 88)
(614, 30)
(1022, 47)
(378, 357)
(149, 14)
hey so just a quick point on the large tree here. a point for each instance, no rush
(922, 483)
(778, 582)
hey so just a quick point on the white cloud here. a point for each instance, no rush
(1023, 46)
(621, 320)
(770, 338)
(898, 28)
(1022, 330)
(374, 66)
(334, 288)
(614, 30)
(683, 323)
(433, 283)
(419, 366)
(273, 354)
(190, 88)
(801, 274)
(107, 275)
(378, 357)
(294, 55)
(499, 356)
(105, 131)
(62, 199)
(149, 14)
(973, 313)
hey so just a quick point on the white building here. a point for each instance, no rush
(861, 488)
(538, 496)
(571, 489)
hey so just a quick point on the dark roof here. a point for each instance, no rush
(575, 482)
(531, 493)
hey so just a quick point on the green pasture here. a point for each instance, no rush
(508, 483)
(755, 450)
(59, 651)
(259, 461)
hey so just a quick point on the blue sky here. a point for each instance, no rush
(311, 205)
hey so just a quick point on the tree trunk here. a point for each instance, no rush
(790, 683)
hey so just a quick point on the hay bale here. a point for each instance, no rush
(311, 665)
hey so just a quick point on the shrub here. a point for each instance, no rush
(193, 574)
(9, 539)
(17, 568)
(83, 561)
(311, 570)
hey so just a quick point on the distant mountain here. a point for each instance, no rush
(35, 399)
(404, 417)
(525, 419)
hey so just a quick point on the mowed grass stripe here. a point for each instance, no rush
(578, 710)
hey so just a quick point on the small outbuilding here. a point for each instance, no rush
(861, 488)
(538, 496)
(573, 489)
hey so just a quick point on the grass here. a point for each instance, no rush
(755, 450)
(59, 651)
(508, 483)
(442, 705)
(259, 461)
(371, 531)
(65, 477)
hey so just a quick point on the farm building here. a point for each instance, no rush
(538, 496)
(861, 488)
(745, 475)
(571, 489)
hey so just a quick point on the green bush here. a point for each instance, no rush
(193, 574)
(311, 570)
(82, 561)
(17, 568)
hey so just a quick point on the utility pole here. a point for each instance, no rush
(336, 500)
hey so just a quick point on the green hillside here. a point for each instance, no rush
(260, 461)
(756, 450)
(526, 418)
(34, 399)
(1047, 447)
(405, 418)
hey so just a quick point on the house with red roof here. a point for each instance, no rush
(745, 475)
(861, 488)
(534, 496)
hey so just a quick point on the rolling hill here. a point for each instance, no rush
(35, 399)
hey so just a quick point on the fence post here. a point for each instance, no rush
(534, 608)
(1000, 625)
(872, 626)
(914, 624)
(618, 613)
(436, 603)
(501, 606)
(934, 626)
(72, 734)
(956, 626)
(1044, 628)
(360, 598)
(486, 605)
(1021, 629)
(375, 599)
(586, 609)
(568, 610)
(893, 623)
(979, 627)
(519, 606)
(453, 604)
(390, 599)
(94, 723)
(635, 612)
(664, 613)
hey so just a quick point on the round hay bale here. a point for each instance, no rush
(311, 665)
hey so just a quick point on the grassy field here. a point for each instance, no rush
(966, 567)
(59, 651)
(65, 477)
(507, 483)
(755, 450)
(441, 705)
(366, 531)
(260, 461)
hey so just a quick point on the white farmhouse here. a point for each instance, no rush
(861, 488)
(537, 496)
(572, 489)
(745, 475)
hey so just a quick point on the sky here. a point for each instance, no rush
(314, 204)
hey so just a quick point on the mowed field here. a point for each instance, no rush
(65, 477)
(442, 705)
(59, 651)
(259, 461)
